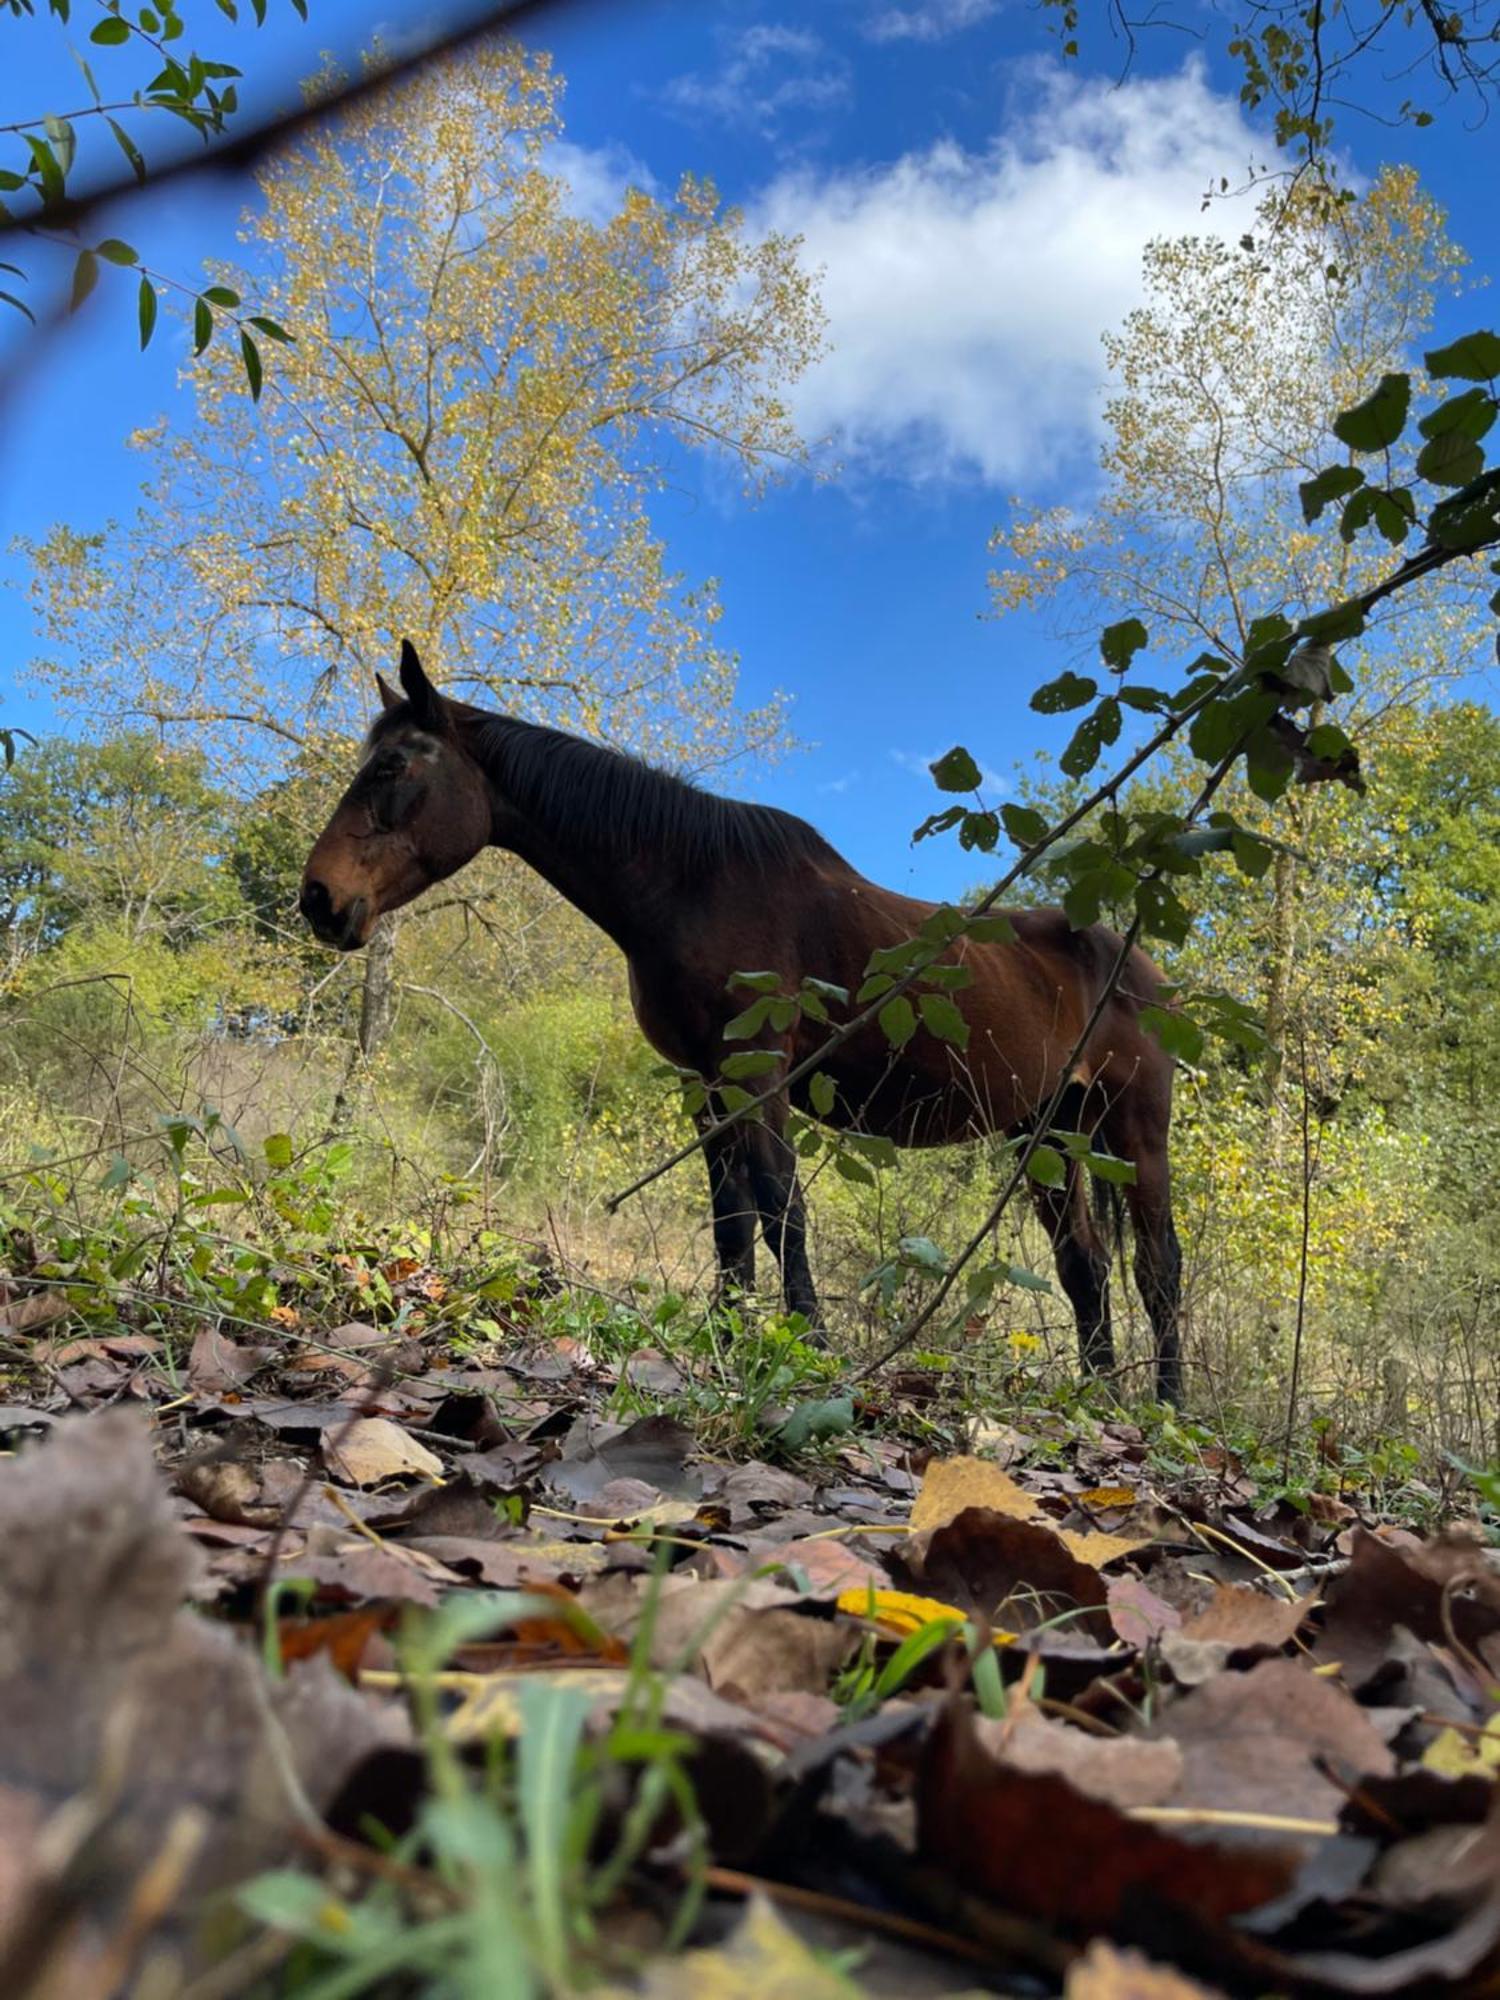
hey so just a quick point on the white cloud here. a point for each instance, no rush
(596, 178)
(767, 71)
(928, 20)
(967, 291)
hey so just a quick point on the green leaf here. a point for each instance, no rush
(821, 1092)
(551, 1738)
(1162, 913)
(1119, 644)
(203, 325)
(956, 771)
(1396, 511)
(85, 277)
(923, 1254)
(1379, 420)
(221, 295)
(751, 1021)
(1024, 824)
(1107, 1167)
(849, 1168)
(1251, 856)
(250, 355)
(1179, 1035)
(1068, 691)
(278, 1150)
(1089, 738)
(129, 148)
(828, 1417)
(1450, 460)
(270, 328)
(756, 982)
(978, 831)
(992, 928)
(1470, 414)
(898, 1021)
(941, 1017)
(750, 1062)
(1047, 1167)
(110, 32)
(116, 252)
(146, 311)
(1327, 486)
(1476, 358)
(1028, 1281)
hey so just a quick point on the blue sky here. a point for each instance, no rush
(979, 216)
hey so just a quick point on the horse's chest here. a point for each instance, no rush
(670, 1017)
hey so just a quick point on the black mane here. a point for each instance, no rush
(602, 797)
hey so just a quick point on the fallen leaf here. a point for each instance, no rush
(1253, 1743)
(950, 1485)
(1037, 1845)
(1455, 1755)
(1137, 1613)
(1104, 1973)
(1123, 1770)
(761, 1960)
(372, 1449)
(1017, 1574)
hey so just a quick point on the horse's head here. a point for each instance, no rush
(419, 808)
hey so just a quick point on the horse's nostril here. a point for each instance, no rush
(316, 904)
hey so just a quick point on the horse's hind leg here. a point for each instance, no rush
(732, 1194)
(1158, 1268)
(1082, 1266)
(783, 1214)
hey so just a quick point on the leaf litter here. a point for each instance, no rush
(953, 1724)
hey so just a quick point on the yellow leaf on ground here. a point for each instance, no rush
(1452, 1754)
(762, 1960)
(902, 1613)
(952, 1484)
(1098, 1549)
(1099, 1499)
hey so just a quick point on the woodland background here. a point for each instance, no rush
(466, 456)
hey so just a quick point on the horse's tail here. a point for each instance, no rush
(1109, 1220)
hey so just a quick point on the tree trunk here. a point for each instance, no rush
(1279, 972)
(378, 1001)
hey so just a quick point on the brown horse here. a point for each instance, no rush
(694, 888)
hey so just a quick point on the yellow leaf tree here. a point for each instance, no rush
(460, 446)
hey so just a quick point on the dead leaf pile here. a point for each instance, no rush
(1133, 1746)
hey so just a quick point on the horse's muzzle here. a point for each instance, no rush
(343, 929)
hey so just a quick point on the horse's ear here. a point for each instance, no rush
(426, 702)
(389, 698)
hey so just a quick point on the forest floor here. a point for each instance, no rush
(436, 1635)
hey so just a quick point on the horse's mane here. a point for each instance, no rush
(595, 796)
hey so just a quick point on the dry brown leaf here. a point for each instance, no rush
(1252, 1742)
(373, 1449)
(1137, 1613)
(1245, 1620)
(31, 1312)
(1040, 1847)
(1124, 1770)
(1017, 1574)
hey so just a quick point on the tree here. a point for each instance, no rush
(126, 831)
(1227, 380)
(460, 448)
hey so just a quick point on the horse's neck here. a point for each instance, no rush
(606, 880)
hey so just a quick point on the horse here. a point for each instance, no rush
(695, 888)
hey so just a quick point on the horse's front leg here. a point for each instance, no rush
(783, 1212)
(732, 1194)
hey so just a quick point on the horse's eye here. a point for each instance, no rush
(393, 805)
